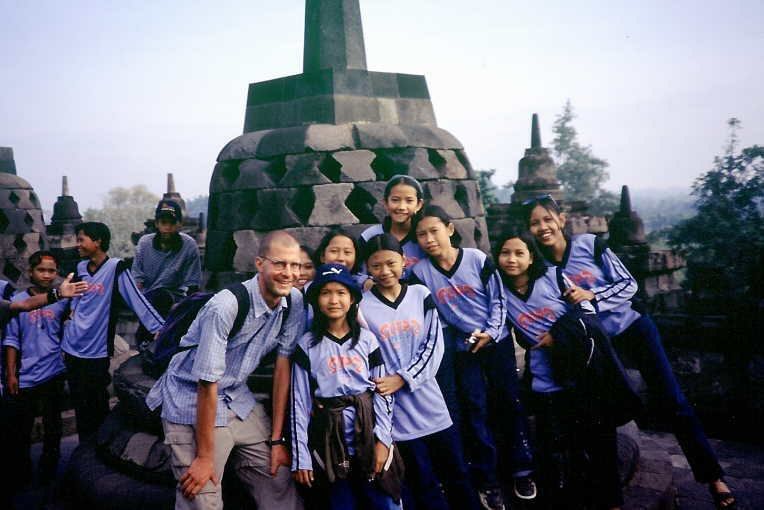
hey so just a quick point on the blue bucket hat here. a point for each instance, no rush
(327, 273)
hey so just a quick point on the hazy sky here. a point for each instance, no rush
(121, 92)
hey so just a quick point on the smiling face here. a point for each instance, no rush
(386, 267)
(307, 270)
(334, 300)
(87, 247)
(514, 257)
(434, 236)
(546, 226)
(402, 203)
(340, 250)
(278, 270)
(44, 273)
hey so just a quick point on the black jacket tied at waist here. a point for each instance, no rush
(327, 438)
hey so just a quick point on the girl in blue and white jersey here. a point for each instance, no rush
(340, 427)
(405, 320)
(566, 428)
(468, 293)
(599, 277)
(403, 198)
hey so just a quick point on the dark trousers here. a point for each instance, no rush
(641, 345)
(355, 493)
(579, 458)
(20, 412)
(88, 380)
(467, 380)
(431, 460)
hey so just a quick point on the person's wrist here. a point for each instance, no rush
(52, 296)
(278, 441)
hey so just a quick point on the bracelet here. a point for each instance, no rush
(276, 442)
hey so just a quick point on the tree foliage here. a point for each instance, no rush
(124, 211)
(488, 189)
(724, 241)
(579, 170)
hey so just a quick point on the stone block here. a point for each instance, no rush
(247, 246)
(355, 166)
(461, 155)
(430, 137)
(329, 207)
(365, 201)
(442, 193)
(472, 233)
(274, 209)
(303, 170)
(355, 109)
(259, 173)
(313, 110)
(384, 84)
(412, 86)
(388, 110)
(380, 136)
(468, 197)
(309, 236)
(415, 112)
(447, 163)
(409, 161)
(221, 258)
(10, 181)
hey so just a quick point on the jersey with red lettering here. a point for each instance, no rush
(411, 341)
(332, 368)
(469, 296)
(591, 265)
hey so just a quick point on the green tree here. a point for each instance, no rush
(724, 242)
(579, 170)
(124, 211)
(487, 187)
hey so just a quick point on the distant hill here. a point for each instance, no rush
(661, 208)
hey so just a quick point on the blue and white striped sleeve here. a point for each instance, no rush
(383, 406)
(424, 365)
(494, 290)
(621, 286)
(137, 302)
(301, 402)
(13, 334)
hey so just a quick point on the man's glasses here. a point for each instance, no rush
(546, 197)
(281, 265)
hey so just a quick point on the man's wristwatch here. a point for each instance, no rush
(276, 442)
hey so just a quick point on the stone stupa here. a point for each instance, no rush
(22, 230)
(318, 148)
(61, 235)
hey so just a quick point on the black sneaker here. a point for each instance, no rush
(492, 499)
(525, 487)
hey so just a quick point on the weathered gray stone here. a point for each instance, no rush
(220, 258)
(442, 193)
(247, 246)
(329, 207)
(303, 170)
(258, 174)
(365, 201)
(274, 209)
(472, 233)
(355, 166)
(411, 161)
(447, 163)
(333, 35)
(468, 197)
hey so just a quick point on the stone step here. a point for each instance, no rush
(652, 486)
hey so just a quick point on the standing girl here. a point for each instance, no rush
(340, 427)
(469, 297)
(402, 200)
(575, 417)
(600, 277)
(405, 320)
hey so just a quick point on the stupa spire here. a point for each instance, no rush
(333, 36)
(535, 132)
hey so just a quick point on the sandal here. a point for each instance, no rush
(720, 498)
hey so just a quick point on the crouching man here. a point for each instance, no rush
(209, 413)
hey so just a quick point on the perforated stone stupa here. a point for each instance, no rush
(319, 146)
(22, 231)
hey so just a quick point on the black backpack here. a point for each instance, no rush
(156, 358)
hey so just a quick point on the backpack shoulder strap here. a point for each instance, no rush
(242, 300)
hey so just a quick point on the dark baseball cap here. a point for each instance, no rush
(168, 209)
(327, 273)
